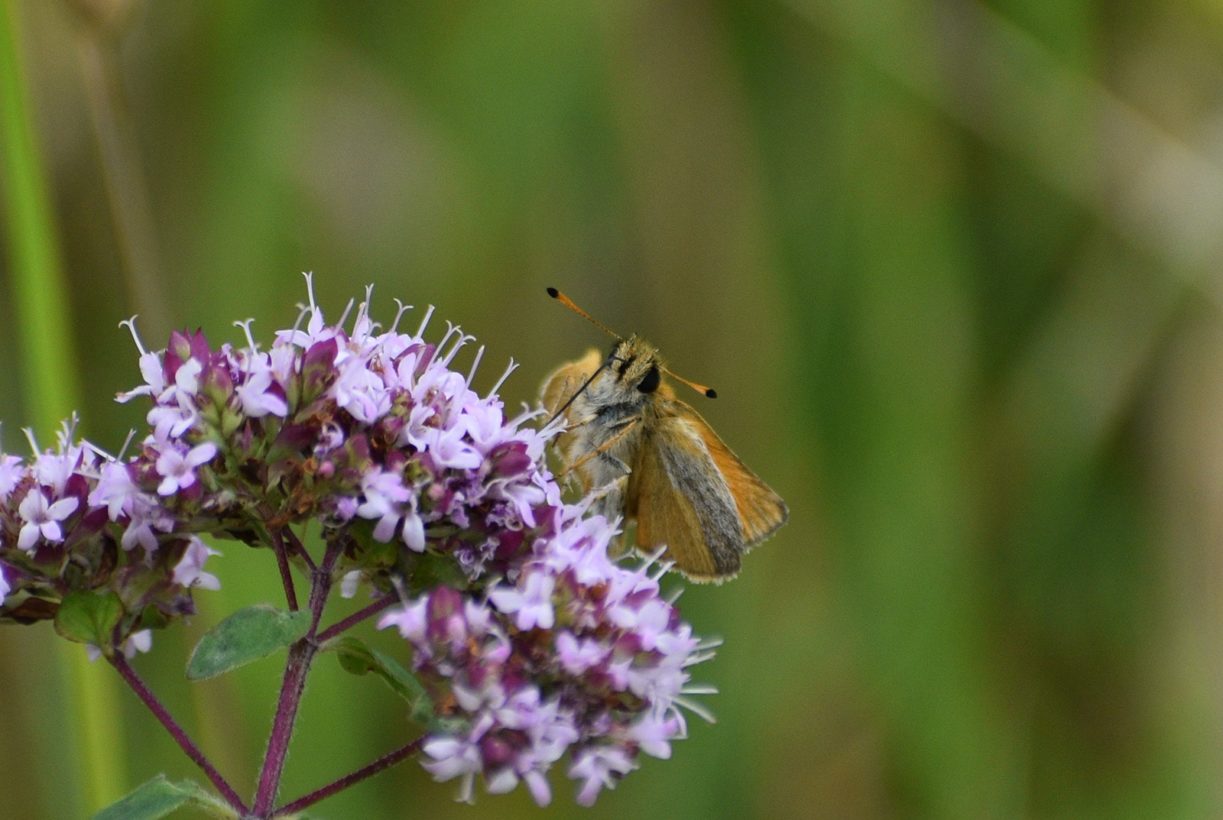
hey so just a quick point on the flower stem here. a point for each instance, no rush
(298, 547)
(357, 617)
(384, 762)
(286, 575)
(177, 732)
(301, 655)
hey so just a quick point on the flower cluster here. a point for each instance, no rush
(532, 643)
(578, 655)
(70, 522)
(367, 425)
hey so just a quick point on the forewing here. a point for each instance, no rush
(680, 501)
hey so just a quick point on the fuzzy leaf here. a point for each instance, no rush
(248, 635)
(89, 617)
(359, 659)
(159, 797)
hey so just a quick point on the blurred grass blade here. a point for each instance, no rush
(50, 382)
(37, 278)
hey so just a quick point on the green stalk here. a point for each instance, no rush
(50, 390)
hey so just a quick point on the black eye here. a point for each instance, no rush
(649, 383)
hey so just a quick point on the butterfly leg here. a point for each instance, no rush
(625, 425)
(609, 503)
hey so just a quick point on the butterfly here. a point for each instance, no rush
(651, 457)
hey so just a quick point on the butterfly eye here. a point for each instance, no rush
(649, 383)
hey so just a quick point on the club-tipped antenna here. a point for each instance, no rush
(569, 303)
(707, 392)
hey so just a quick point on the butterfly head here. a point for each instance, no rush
(633, 365)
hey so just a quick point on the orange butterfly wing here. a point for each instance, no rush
(761, 511)
(660, 489)
(691, 493)
(563, 382)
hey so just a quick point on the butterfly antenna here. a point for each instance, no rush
(569, 303)
(707, 392)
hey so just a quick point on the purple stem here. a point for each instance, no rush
(286, 577)
(180, 736)
(299, 548)
(356, 618)
(384, 762)
(301, 654)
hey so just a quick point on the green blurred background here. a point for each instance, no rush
(953, 268)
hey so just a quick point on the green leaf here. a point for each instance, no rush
(158, 797)
(429, 570)
(89, 617)
(359, 659)
(247, 635)
(206, 800)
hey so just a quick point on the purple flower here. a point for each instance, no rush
(577, 655)
(115, 490)
(147, 518)
(54, 469)
(605, 688)
(361, 392)
(384, 494)
(599, 767)
(175, 417)
(178, 468)
(537, 649)
(254, 395)
(448, 449)
(42, 518)
(12, 470)
(409, 620)
(187, 378)
(189, 571)
(455, 757)
(533, 604)
(140, 641)
(653, 733)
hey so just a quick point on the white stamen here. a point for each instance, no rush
(450, 329)
(130, 324)
(250, 339)
(29, 436)
(363, 308)
(513, 366)
(420, 331)
(302, 310)
(310, 288)
(344, 315)
(131, 434)
(526, 415)
(402, 309)
(463, 339)
(67, 429)
(471, 374)
(697, 709)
